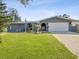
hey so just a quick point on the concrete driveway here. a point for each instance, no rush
(70, 40)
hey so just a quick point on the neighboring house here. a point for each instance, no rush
(51, 24)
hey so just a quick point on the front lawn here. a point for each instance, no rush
(32, 46)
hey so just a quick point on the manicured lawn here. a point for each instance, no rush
(32, 46)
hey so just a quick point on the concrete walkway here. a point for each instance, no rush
(70, 40)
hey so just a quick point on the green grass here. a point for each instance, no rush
(32, 46)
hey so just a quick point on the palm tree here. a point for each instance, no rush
(24, 2)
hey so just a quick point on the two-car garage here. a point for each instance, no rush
(58, 26)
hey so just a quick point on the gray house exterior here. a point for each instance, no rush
(16, 27)
(58, 23)
(55, 23)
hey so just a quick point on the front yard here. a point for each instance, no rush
(32, 46)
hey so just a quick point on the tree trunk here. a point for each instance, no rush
(0, 38)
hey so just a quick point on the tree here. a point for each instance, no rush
(24, 2)
(14, 15)
(4, 18)
(3, 15)
(64, 15)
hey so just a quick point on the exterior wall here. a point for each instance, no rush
(77, 27)
(16, 28)
(75, 23)
(73, 27)
(58, 26)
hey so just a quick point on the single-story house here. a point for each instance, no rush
(51, 24)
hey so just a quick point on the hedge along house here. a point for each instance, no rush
(47, 25)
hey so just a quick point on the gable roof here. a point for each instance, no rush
(58, 19)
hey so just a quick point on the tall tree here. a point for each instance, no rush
(3, 15)
(4, 18)
(24, 2)
(14, 14)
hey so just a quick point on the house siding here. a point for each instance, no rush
(16, 28)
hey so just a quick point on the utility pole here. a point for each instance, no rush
(25, 25)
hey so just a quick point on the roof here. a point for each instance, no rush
(13, 23)
(59, 19)
(24, 22)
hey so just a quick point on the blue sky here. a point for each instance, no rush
(40, 9)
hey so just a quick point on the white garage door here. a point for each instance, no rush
(58, 27)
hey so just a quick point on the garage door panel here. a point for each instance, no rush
(58, 27)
